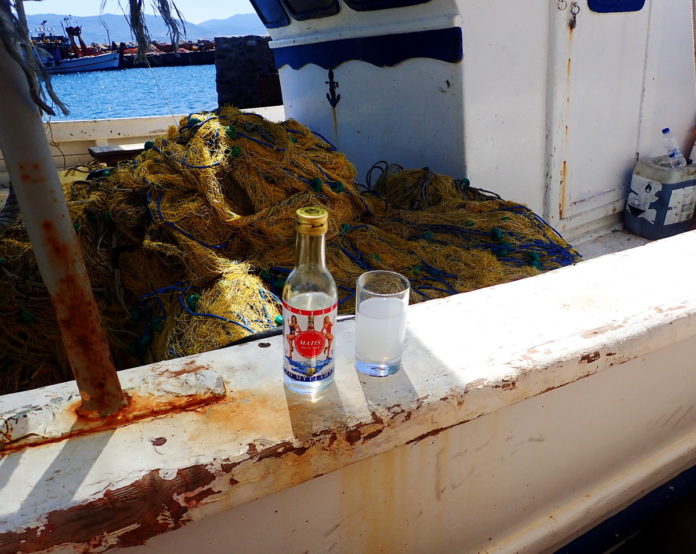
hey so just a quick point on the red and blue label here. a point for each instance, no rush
(308, 343)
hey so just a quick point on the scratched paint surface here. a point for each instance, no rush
(500, 483)
(56, 413)
(466, 356)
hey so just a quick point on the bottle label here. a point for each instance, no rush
(308, 343)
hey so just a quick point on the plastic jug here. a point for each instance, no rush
(661, 199)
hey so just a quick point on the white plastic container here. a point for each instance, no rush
(661, 199)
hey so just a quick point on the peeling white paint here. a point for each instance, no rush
(37, 422)
(168, 473)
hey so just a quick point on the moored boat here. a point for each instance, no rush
(524, 414)
(98, 62)
(61, 54)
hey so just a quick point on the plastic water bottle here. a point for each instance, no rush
(676, 158)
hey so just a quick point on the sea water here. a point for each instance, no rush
(380, 327)
(139, 92)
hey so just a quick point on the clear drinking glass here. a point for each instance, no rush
(381, 299)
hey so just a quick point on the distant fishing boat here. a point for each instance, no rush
(98, 62)
(61, 54)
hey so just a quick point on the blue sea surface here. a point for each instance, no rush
(136, 92)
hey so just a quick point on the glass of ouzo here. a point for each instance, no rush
(381, 301)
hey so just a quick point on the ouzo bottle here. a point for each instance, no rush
(310, 304)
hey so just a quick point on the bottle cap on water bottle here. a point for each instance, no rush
(665, 130)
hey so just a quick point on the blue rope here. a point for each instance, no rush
(244, 319)
(347, 228)
(351, 294)
(435, 275)
(265, 310)
(298, 177)
(266, 293)
(434, 272)
(450, 289)
(430, 287)
(418, 291)
(165, 289)
(327, 141)
(557, 253)
(327, 179)
(357, 258)
(184, 162)
(198, 124)
(190, 311)
(214, 143)
(262, 143)
(179, 229)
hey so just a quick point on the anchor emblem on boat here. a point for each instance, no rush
(331, 96)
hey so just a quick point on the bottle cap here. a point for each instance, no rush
(312, 220)
(665, 130)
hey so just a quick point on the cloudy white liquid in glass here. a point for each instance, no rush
(380, 326)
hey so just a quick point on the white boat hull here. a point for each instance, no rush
(99, 62)
(524, 415)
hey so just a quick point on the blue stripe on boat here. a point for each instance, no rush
(609, 6)
(382, 51)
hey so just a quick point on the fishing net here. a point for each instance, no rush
(188, 245)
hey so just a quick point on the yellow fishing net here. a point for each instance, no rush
(188, 245)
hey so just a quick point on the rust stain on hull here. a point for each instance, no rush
(661, 310)
(590, 357)
(564, 183)
(436, 432)
(155, 503)
(189, 367)
(600, 330)
(145, 508)
(137, 408)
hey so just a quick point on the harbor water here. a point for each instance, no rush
(138, 92)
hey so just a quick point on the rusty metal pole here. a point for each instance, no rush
(47, 221)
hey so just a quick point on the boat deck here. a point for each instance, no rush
(616, 240)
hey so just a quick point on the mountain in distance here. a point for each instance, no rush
(237, 25)
(93, 27)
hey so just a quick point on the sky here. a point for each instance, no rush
(194, 11)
